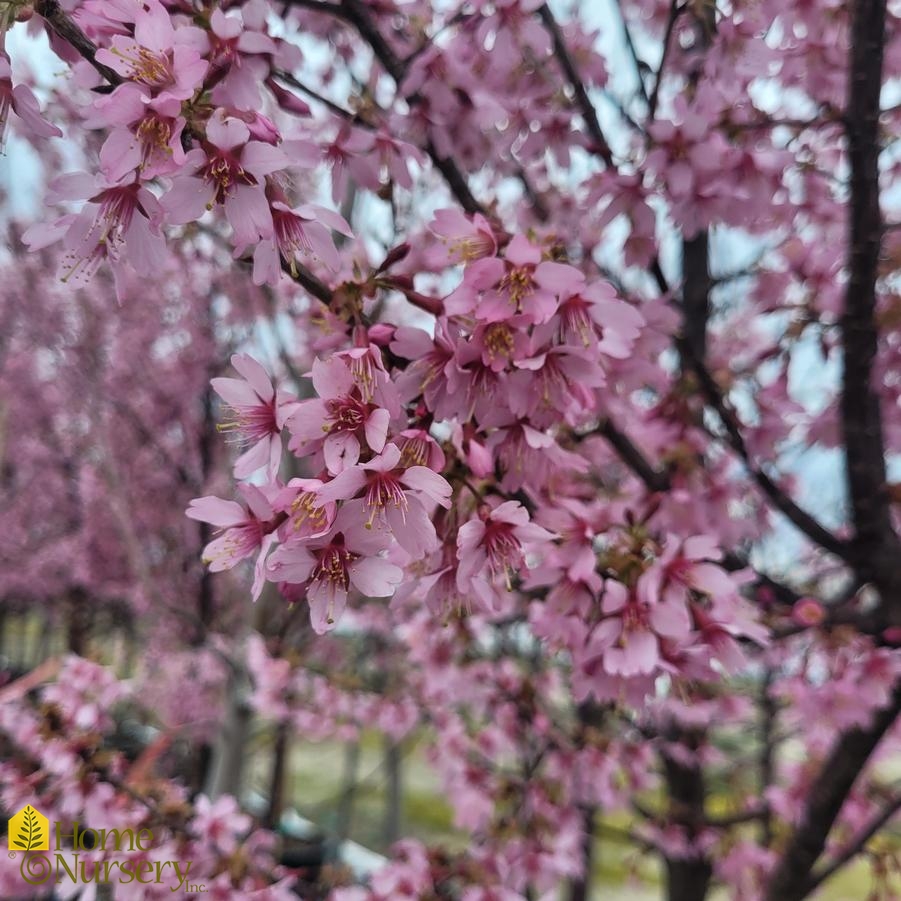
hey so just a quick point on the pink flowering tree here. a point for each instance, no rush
(576, 441)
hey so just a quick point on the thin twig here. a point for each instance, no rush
(586, 107)
(66, 29)
(779, 498)
(674, 12)
(330, 105)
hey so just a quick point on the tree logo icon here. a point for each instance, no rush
(28, 830)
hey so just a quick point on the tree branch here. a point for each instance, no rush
(63, 27)
(857, 844)
(792, 879)
(876, 546)
(696, 285)
(674, 12)
(586, 107)
(780, 499)
(654, 479)
(330, 105)
(309, 282)
(688, 875)
(769, 711)
(640, 65)
(358, 15)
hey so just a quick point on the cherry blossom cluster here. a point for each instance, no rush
(184, 135)
(335, 530)
(317, 708)
(64, 764)
(514, 374)
(661, 606)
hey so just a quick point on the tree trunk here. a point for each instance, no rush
(580, 889)
(227, 765)
(348, 790)
(688, 878)
(77, 625)
(393, 792)
(277, 781)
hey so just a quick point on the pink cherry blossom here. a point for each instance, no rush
(236, 46)
(309, 515)
(298, 234)
(21, 100)
(349, 155)
(419, 448)
(493, 548)
(432, 368)
(339, 422)
(348, 556)
(166, 59)
(145, 135)
(466, 239)
(399, 498)
(257, 412)
(229, 170)
(117, 223)
(629, 637)
(244, 532)
(521, 287)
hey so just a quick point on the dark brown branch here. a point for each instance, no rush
(537, 204)
(688, 876)
(877, 549)
(654, 479)
(591, 717)
(722, 821)
(696, 285)
(674, 12)
(696, 308)
(792, 879)
(309, 282)
(586, 107)
(780, 499)
(63, 27)
(739, 818)
(658, 481)
(858, 843)
(769, 711)
(640, 65)
(330, 105)
(316, 6)
(358, 15)
(455, 179)
(580, 887)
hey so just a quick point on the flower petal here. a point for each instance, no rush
(375, 577)
(255, 375)
(216, 511)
